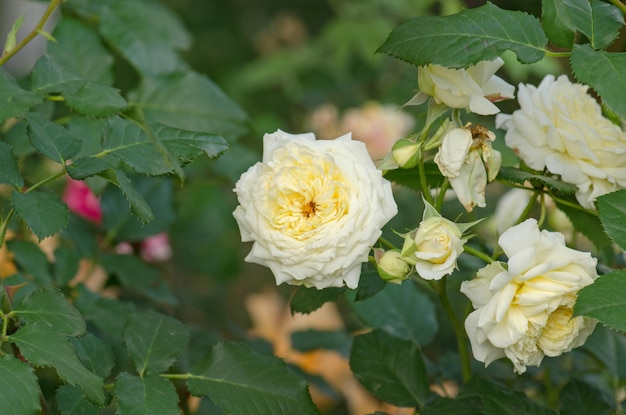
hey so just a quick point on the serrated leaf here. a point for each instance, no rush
(95, 354)
(51, 139)
(154, 341)
(499, 399)
(86, 167)
(65, 265)
(49, 76)
(50, 307)
(605, 300)
(236, 379)
(137, 203)
(9, 172)
(390, 368)
(31, 260)
(14, 101)
(584, 222)
(468, 37)
(556, 20)
(108, 315)
(43, 346)
(95, 100)
(185, 146)
(612, 211)
(516, 176)
(71, 401)
(411, 177)
(190, 101)
(393, 310)
(306, 300)
(41, 210)
(605, 72)
(148, 395)
(138, 276)
(580, 398)
(19, 390)
(600, 22)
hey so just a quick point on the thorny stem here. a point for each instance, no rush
(38, 29)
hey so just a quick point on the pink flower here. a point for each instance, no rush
(82, 201)
(156, 248)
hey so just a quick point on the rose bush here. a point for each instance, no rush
(524, 311)
(313, 209)
(559, 126)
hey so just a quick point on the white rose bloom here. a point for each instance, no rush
(313, 208)
(438, 245)
(560, 127)
(525, 312)
(474, 88)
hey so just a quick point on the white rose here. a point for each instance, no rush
(560, 127)
(525, 312)
(313, 208)
(438, 244)
(474, 88)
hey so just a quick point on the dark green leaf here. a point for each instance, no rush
(19, 391)
(9, 172)
(411, 177)
(148, 395)
(605, 72)
(108, 315)
(609, 347)
(306, 300)
(466, 38)
(605, 300)
(393, 310)
(390, 368)
(612, 210)
(50, 307)
(79, 49)
(65, 264)
(42, 210)
(580, 398)
(370, 283)
(312, 339)
(14, 101)
(137, 203)
(236, 379)
(49, 76)
(516, 176)
(53, 140)
(556, 20)
(71, 401)
(95, 354)
(501, 400)
(44, 346)
(90, 131)
(600, 22)
(192, 102)
(584, 222)
(95, 100)
(450, 406)
(154, 341)
(185, 146)
(136, 275)
(31, 260)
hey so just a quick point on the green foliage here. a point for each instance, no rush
(51, 308)
(612, 209)
(306, 300)
(517, 176)
(9, 172)
(19, 392)
(41, 210)
(605, 300)
(145, 395)
(52, 140)
(600, 22)
(71, 401)
(14, 100)
(581, 398)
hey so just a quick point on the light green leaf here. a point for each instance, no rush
(71, 401)
(15, 101)
(19, 390)
(600, 22)
(12, 35)
(49, 76)
(95, 354)
(95, 100)
(53, 140)
(605, 300)
(390, 368)
(605, 72)
(468, 37)
(612, 210)
(148, 395)
(9, 172)
(50, 307)
(42, 211)
(190, 101)
(137, 203)
(43, 346)
(556, 20)
(236, 379)
(31, 260)
(154, 341)
(516, 176)
(581, 398)
(393, 311)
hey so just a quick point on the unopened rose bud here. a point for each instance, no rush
(407, 153)
(390, 265)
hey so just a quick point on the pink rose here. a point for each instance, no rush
(82, 201)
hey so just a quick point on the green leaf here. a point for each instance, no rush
(14, 101)
(612, 210)
(79, 48)
(137, 203)
(148, 395)
(390, 368)
(605, 300)
(556, 20)
(19, 390)
(95, 100)
(43, 346)
(600, 22)
(71, 401)
(609, 347)
(580, 398)
(411, 177)
(9, 172)
(95, 354)
(190, 101)
(450, 406)
(309, 340)
(53, 140)
(185, 146)
(65, 264)
(306, 300)
(137, 276)
(236, 379)
(393, 311)
(149, 43)
(605, 72)
(108, 315)
(501, 400)
(154, 341)
(49, 76)
(42, 211)
(468, 37)
(86, 167)
(50, 307)
(31, 260)
(516, 176)
(584, 222)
